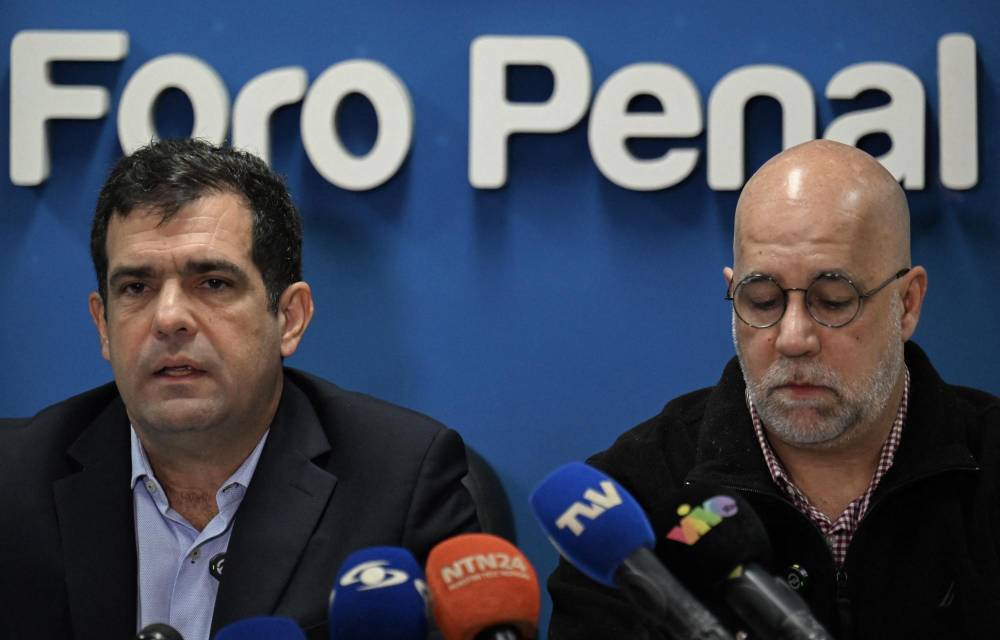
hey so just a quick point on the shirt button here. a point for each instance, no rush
(150, 486)
(195, 554)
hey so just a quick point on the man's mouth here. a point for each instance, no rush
(178, 371)
(801, 388)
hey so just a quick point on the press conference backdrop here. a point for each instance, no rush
(543, 311)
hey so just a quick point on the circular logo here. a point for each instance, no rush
(216, 564)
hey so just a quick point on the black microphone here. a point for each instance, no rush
(159, 631)
(716, 545)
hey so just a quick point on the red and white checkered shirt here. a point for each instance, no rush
(840, 531)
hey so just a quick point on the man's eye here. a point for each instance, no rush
(216, 284)
(836, 304)
(134, 288)
(764, 304)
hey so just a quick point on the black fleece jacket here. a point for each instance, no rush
(924, 562)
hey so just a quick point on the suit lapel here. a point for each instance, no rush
(97, 529)
(283, 505)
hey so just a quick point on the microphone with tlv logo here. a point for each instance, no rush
(601, 530)
(379, 594)
(482, 588)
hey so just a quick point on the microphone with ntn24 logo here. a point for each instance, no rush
(483, 588)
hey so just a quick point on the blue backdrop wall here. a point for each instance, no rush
(541, 319)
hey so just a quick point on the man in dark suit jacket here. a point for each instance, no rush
(200, 297)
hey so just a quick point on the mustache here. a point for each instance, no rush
(784, 372)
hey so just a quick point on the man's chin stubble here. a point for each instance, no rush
(826, 428)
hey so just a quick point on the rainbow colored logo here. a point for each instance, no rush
(698, 521)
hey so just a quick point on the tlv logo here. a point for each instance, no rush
(597, 503)
(373, 574)
(698, 521)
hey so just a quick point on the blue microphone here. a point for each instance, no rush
(601, 530)
(380, 594)
(591, 520)
(261, 628)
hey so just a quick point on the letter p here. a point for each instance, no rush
(492, 118)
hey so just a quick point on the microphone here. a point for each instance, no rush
(716, 545)
(261, 628)
(379, 594)
(601, 529)
(159, 631)
(483, 588)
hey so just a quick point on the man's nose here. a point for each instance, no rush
(797, 330)
(173, 315)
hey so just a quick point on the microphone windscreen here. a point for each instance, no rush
(479, 581)
(261, 628)
(380, 594)
(159, 631)
(591, 519)
(716, 531)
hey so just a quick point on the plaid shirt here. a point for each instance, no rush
(840, 531)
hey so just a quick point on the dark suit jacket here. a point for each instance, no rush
(340, 471)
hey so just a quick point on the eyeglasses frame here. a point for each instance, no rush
(784, 292)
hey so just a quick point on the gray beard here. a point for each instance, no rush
(857, 402)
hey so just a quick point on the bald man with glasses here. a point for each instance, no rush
(877, 482)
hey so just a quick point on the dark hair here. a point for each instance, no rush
(170, 174)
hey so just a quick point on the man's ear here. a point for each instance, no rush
(915, 283)
(96, 305)
(727, 274)
(295, 311)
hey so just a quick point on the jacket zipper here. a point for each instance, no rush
(842, 578)
(843, 601)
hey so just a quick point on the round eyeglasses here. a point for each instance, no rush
(831, 299)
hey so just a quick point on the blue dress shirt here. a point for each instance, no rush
(176, 585)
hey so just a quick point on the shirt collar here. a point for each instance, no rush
(140, 463)
(886, 456)
(141, 467)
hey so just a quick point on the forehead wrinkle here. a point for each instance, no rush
(225, 222)
(195, 246)
(797, 265)
(203, 231)
(192, 226)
